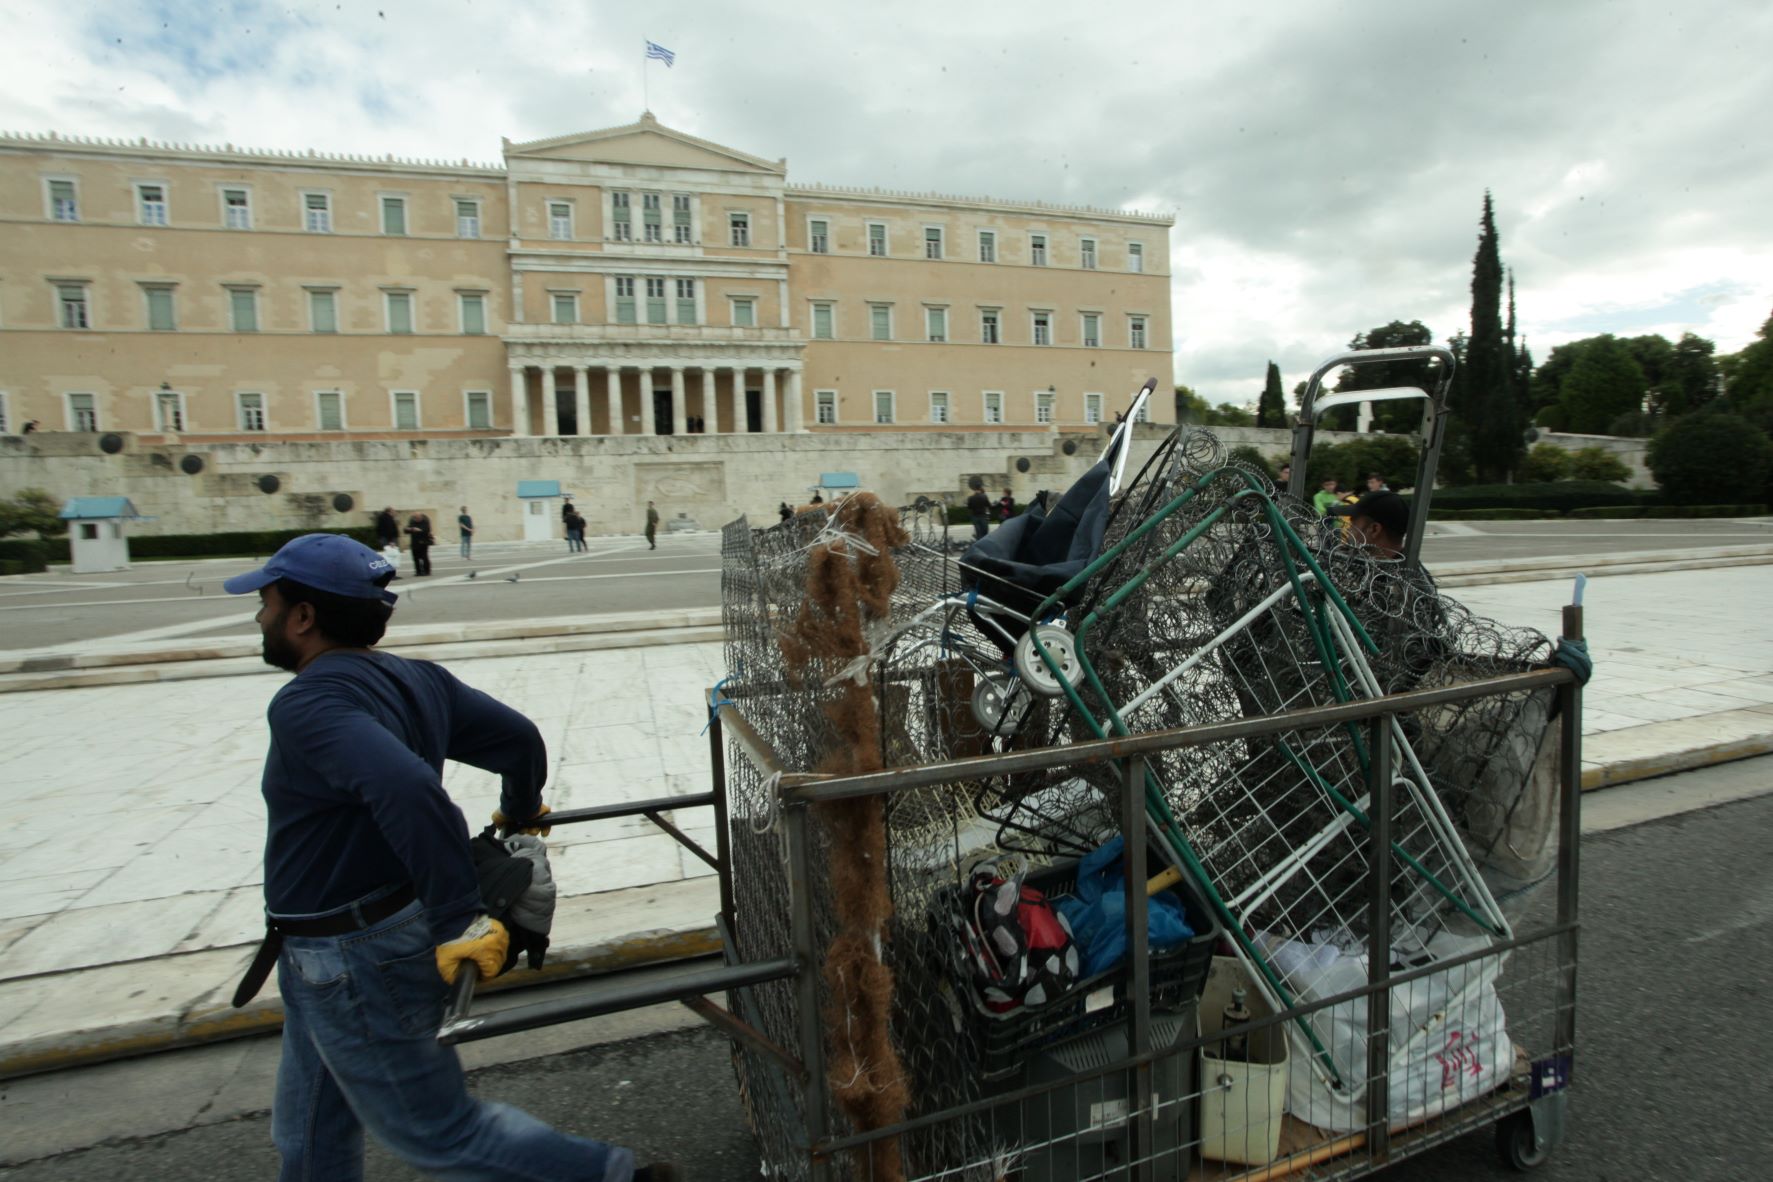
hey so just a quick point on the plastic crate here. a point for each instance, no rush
(1004, 1039)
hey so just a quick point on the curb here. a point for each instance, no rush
(217, 1023)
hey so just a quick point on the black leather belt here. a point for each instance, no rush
(353, 919)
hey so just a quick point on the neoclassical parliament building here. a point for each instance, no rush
(630, 281)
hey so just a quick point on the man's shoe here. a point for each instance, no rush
(659, 1171)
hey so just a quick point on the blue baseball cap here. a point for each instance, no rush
(325, 562)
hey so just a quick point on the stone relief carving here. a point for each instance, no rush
(680, 484)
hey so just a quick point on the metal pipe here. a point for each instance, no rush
(636, 808)
(762, 756)
(723, 848)
(1569, 841)
(802, 787)
(806, 982)
(1132, 825)
(1380, 795)
(603, 998)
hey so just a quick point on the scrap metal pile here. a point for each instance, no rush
(858, 638)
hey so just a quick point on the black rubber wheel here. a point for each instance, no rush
(1516, 1144)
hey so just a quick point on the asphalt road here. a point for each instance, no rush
(169, 600)
(1673, 1025)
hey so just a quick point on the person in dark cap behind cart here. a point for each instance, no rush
(372, 902)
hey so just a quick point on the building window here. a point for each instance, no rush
(936, 323)
(987, 246)
(329, 408)
(317, 213)
(323, 310)
(655, 301)
(1037, 249)
(169, 411)
(237, 209)
(243, 309)
(621, 225)
(880, 321)
(686, 301)
(64, 201)
(883, 406)
(932, 242)
(1043, 328)
(818, 236)
(250, 411)
(72, 297)
(83, 412)
(877, 239)
(680, 217)
(1043, 406)
(560, 220)
(1136, 332)
(467, 218)
(406, 410)
(473, 310)
(745, 313)
(151, 204)
(825, 407)
(994, 406)
(566, 307)
(740, 226)
(1135, 256)
(1087, 255)
(649, 216)
(1092, 330)
(399, 307)
(479, 416)
(394, 215)
(5, 418)
(938, 406)
(160, 309)
(1092, 408)
(624, 299)
(823, 317)
(988, 330)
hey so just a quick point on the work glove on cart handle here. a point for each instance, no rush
(1573, 655)
(483, 944)
(506, 829)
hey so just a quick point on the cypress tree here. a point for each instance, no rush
(1271, 410)
(1483, 396)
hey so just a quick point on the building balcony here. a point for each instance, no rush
(535, 344)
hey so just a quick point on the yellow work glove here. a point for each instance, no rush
(503, 824)
(485, 943)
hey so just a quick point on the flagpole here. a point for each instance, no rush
(646, 102)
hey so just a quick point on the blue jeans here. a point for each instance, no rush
(360, 1050)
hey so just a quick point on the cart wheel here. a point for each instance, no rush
(998, 705)
(1034, 672)
(1519, 1145)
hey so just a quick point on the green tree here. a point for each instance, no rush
(1656, 358)
(1546, 461)
(1750, 385)
(1695, 382)
(1271, 409)
(31, 510)
(1193, 409)
(1604, 383)
(1597, 463)
(1399, 417)
(1483, 396)
(1711, 458)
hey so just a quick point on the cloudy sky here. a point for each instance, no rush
(1325, 161)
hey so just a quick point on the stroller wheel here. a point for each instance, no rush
(999, 705)
(1033, 670)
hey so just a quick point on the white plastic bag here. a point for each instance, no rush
(1449, 1044)
(392, 554)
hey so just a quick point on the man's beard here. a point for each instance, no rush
(277, 650)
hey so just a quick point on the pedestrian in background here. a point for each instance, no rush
(1006, 506)
(1284, 477)
(1325, 498)
(418, 529)
(575, 533)
(979, 509)
(784, 512)
(1376, 483)
(652, 526)
(371, 898)
(388, 537)
(465, 523)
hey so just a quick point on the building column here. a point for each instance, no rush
(770, 426)
(519, 402)
(710, 403)
(581, 400)
(679, 413)
(551, 399)
(796, 413)
(617, 425)
(647, 425)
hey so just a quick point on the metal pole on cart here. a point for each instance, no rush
(806, 981)
(1378, 1089)
(1141, 1095)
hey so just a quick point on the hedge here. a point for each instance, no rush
(1436, 513)
(1629, 511)
(23, 556)
(1562, 496)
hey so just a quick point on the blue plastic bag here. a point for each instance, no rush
(1097, 912)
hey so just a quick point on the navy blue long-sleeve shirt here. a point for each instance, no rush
(353, 784)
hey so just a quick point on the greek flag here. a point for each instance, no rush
(660, 52)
